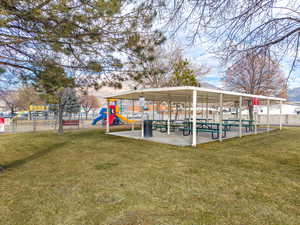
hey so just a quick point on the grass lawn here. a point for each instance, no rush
(88, 177)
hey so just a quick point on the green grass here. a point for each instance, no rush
(91, 178)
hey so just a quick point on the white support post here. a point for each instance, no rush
(107, 116)
(152, 110)
(240, 116)
(189, 110)
(185, 111)
(194, 142)
(206, 110)
(142, 122)
(170, 111)
(221, 118)
(280, 116)
(268, 116)
(132, 123)
(163, 111)
(169, 119)
(255, 122)
(158, 109)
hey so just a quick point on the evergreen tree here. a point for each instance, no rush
(56, 88)
(87, 36)
(183, 75)
(72, 101)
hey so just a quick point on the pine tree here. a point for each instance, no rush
(72, 101)
(82, 35)
(57, 88)
(183, 75)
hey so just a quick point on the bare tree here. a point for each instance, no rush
(255, 74)
(11, 100)
(88, 102)
(157, 68)
(28, 96)
(239, 25)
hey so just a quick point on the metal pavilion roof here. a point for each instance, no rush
(184, 94)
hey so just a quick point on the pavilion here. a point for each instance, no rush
(191, 96)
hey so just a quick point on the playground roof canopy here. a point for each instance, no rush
(185, 94)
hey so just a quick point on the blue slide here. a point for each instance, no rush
(102, 116)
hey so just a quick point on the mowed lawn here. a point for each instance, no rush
(88, 177)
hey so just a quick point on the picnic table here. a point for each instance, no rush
(162, 125)
(209, 127)
(202, 126)
(248, 124)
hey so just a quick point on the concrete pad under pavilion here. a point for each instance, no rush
(176, 138)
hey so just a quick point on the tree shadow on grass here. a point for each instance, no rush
(39, 154)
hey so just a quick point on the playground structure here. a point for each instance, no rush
(115, 118)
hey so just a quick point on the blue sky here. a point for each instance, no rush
(200, 52)
(199, 55)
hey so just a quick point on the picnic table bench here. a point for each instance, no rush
(70, 122)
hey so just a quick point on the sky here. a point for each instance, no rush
(200, 52)
(201, 56)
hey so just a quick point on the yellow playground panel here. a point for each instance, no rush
(38, 108)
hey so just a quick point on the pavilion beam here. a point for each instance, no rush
(280, 115)
(240, 116)
(221, 118)
(268, 115)
(107, 116)
(194, 132)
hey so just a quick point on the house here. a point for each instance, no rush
(288, 108)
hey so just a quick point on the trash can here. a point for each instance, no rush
(147, 128)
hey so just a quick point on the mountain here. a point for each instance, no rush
(294, 94)
(208, 85)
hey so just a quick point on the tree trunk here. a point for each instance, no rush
(60, 118)
(86, 115)
(176, 112)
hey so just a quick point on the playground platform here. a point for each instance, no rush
(176, 138)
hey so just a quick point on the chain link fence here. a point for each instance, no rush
(50, 122)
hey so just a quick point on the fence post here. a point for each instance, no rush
(34, 121)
